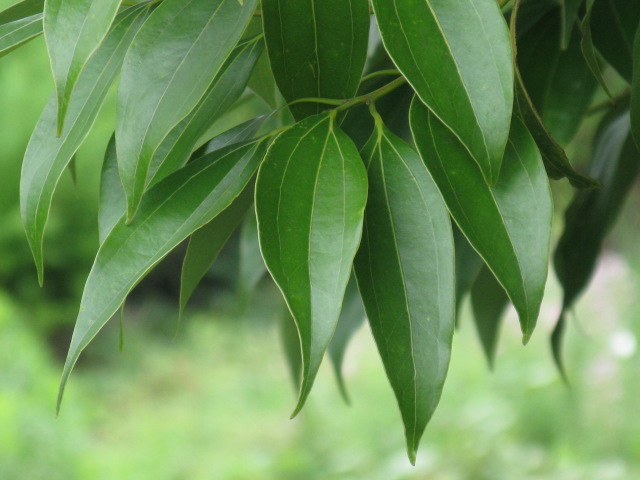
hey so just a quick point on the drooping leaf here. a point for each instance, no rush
(489, 301)
(173, 209)
(405, 272)
(316, 49)
(310, 197)
(225, 89)
(589, 217)
(509, 224)
(74, 30)
(291, 346)
(252, 267)
(589, 52)
(457, 57)
(558, 81)
(20, 23)
(468, 266)
(112, 203)
(570, 10)
(351, 319)
(48, 155)
(613, 27)
(177, 54)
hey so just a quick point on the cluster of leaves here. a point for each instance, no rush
(350, 174)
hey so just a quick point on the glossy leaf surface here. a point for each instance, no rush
(509, 224)
(316, 49)
(405, 272)
(177, 54)
(310, 197)
(174, 209)
(457, 57)
(73, 30)
(48, 155)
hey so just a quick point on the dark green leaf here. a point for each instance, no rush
(20, 10)
(570, 10)
(225, 89)
(591, 55)
(112, 204)
(177, 54)
(351, 319)
(405, 272)
(310, 197)
(74, 30)
(509, 224)
(316, 49)
(173, 209)
(468, 266)
(457, 57)
(48, 155)
(291, 346)
(489, 301)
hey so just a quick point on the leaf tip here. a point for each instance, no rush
(412, 453)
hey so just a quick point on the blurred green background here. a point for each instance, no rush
(214, 402)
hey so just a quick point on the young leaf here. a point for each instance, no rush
(351, 319)
(457, 57)
(177, 54)
(73, 30)
(405, 272)
(310, 197)
(174, 209)
(489, 301)
(509, 224)
(18, 32)
(316, 49)
(48, 155)
(225, 89)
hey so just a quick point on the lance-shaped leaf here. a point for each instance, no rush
(589, 52)
(20, 23)
(591, 214)
(310, 197)
(405, 273)
(112, 203)
(74, 30)
(558, 81)
(316, 49)
(468, 266)
(570, 10)
(291, 347)
(177, 54)
(489, 301)
(173, 210)
(225, 89)
(509, 224)
(48, 155)
(351, 319)
(635, 94)
(457, 57)
(613, 27)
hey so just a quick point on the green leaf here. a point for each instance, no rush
(18, 32)
(635, 94)
(225, 89)
(569, 19)
(112, 203)
(74, 30)
(589, 52)
(558, 82)
(405, 272)
(351, 319)
(173, 209)
(316, 49)
(489, 301)
(239, 133)
(21, 10)
(252, 267)
(468, 266)
(48, 155)
(263, 83)
(310, 197)
(291, 346)
(509, 224)
(177, 53)
(457, 57)
(613, 27)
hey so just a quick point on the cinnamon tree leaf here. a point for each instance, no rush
(14, 33)
(175, 208)
(310, 197)
(316, 49)
(74, 30)
(405, 272)
(509, 224)
(457, 57)
(178, 52)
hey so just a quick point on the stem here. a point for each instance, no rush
(380, 73)
(369, 98)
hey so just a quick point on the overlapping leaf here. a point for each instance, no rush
(48, 155)
(457, 57)
(405, 272)
(20, 23)
(177, 54)
(310, 197)
(509, 224)
(112, 203)
(316, 49)
(73, 30)
(173, 209)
